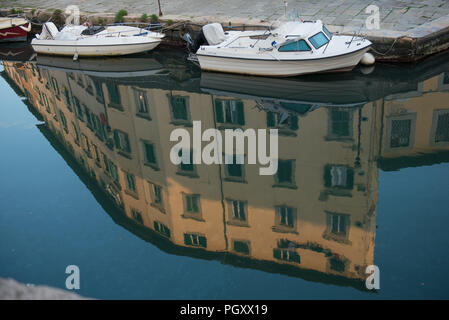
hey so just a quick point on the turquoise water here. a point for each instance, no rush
(53, 213)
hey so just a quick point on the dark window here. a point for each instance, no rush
(162, 229)
(229, 112)
(286, 255)
(141, 101)
(63, 120)
(241, 247)
(114, 93)
(114, 172)
(286, 216)
(179, 108)
(131, 182)
(341, 123)
(285, 174)
(77, 136)
(150, 156)
(238, 211)
(196, 240)
(67, 97)
(79, 110)
(442, 131)
(234, 170)
(156, 193)
(88, 116)
(98, 91)
(338, 223)
(282, 120)
(192, 203)
(338, 177)
(122, 141)
(337, 264)
(137, 216)
(186, 166)
(400, 133)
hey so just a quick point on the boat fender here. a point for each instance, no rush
(273, 43)
(367, 59)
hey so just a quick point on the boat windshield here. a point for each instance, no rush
(327, 32)
(318, 40)
(300, 45)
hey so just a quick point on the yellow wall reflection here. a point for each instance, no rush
(318, 213)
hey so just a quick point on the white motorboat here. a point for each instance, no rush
(94, 41)
(294, 48)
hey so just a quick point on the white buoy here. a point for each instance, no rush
(367, 59)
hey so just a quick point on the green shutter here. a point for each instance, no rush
(240, 113)
(187, 239)
(294, 257)
(293, 122)
(219, 111)
(277, 253)
(270, 119)
(202, 241)
(167, 232)
(128, 146)
(350, 178)
(116, 139)
(327, 176)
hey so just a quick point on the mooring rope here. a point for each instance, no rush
(384, 53)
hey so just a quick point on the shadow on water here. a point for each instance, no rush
(315, 219)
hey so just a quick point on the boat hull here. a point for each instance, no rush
(70, 48)
(281, 68)
(13, 34)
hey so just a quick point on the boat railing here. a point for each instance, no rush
(118, 34)
(148, 26)
(247, 36)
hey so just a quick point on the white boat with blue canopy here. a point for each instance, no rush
(294, 48)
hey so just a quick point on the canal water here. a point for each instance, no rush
(87, 180)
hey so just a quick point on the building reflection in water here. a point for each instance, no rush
(315, 219)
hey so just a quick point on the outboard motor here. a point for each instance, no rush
(194, 45)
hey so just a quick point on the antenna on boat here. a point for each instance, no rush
(285, 7)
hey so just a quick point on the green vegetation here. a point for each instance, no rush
(169, 22)
(154, 18)
(58, 17)
(14, 11)
(33, 11)
(119, 16)
(144, 17)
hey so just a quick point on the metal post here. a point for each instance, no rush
(160, 9)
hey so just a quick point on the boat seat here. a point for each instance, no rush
(49, 31)
(214, 34)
